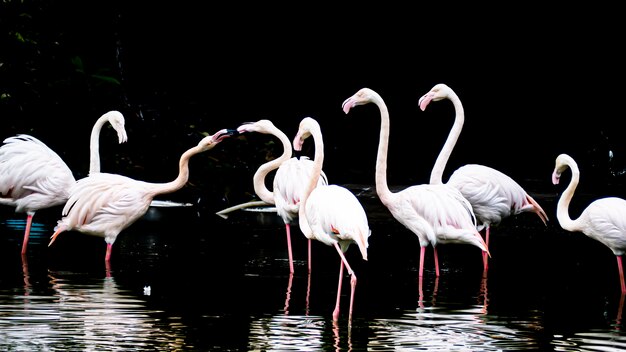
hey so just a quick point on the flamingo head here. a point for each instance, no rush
(362, 97)
(209, 142)
(261, 126)
(116, 119)
(563, 162)
(307, 125)
(438, 92)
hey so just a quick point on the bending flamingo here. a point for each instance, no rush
(34, 177)
(331, 214)
(290, 181)
(604, 219)
(104, 204)
(493, 194)
(435, 213)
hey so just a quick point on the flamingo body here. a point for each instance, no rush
(493, 195)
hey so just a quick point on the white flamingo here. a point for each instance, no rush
(494, 195)
(34, 177)
(604, 219)
(435, 213)
(290, 180)
(331, 214)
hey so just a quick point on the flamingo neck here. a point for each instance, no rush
(183, 173)
(444, 155)
(382, 189)
(316, 171)
(94, 145)
(260, 188)
(562, 207)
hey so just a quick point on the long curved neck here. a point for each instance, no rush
(183, 173)
(260, 188)
(562, 207)
(382, 189)
(316, 171)
(444, 155)
(94, 145)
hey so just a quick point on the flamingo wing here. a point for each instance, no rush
(605, 220)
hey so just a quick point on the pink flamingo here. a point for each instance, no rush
(34, 177)
(435, 213)
(290, 180)
(104, 204)
(492, 194)
(604, 219)
(331, 214)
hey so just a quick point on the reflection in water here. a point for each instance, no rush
(286, 332)
(92, 314)
(153, 299)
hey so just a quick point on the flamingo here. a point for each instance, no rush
(331, 214)
(34, 177)
(604, 220)
(104, 204)
(292, 174)
(435, 213)
(493, 195)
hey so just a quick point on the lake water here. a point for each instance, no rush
(184, 279)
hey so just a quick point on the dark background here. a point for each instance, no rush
(534, 82)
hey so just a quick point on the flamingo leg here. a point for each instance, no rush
(621, 273)
(336, 311)
(422, 254)
(29, 223)
(310, 259)
(107, 257)
(485, 258)
(436, 261)
(344, 261)
(288, 230)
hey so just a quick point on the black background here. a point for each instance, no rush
(535, 82)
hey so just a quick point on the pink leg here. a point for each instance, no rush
(310, 259)
(107, 258)
(422, 254)
(336, 311)
(288, 230)
(621, 273)
(485, 257)
(344, 261)
(29, 223)
(436, 261)
(107, 268)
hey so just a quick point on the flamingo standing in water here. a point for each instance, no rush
(290, 181)
(604, 219)
(493, 194)
(34, 177)
(104, 204)
(331, 214)
(435, 213)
